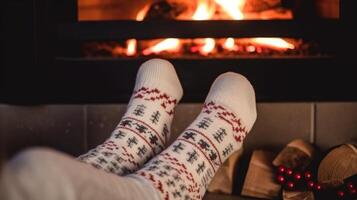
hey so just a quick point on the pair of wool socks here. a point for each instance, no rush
(186, 167)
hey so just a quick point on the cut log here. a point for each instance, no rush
(298, 195)
(222, 182)
(298, 154)
(339, 164)
(260, 178)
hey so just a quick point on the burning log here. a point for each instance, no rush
(171, 9)
(222, 182)
(260, 5)
(252, 9)
(277, 13)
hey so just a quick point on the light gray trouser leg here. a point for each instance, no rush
(44, 174)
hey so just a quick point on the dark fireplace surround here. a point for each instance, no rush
(35, 34)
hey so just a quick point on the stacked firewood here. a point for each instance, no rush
(296, 173)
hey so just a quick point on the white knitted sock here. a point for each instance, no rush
(145, 127)
(184, 170)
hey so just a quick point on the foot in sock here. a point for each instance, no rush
(185, 168)
(145, 128)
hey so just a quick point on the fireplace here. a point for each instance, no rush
(88, 51)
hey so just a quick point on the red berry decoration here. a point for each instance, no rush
(297, 176)
(292, 180)
(318, 186)
(310, 184)
(290, 184)
(308, 175)
(350, 186)
(281, 169)
(289, 171)
(341, 193)
(281, 179)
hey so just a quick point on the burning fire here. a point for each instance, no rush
(232, 8)
(229, 44)
(132, 43)
(131, 47)
(169, 45)
(273, 43)
(206, 10)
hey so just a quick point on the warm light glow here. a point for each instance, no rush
(208, 10)
(251, 48)
(204, 11)
(208, 46)
(169, 44)
(276, 43)
(132, 43)
(232, 8)
(131, 47)
(142, 13)
(229, 44)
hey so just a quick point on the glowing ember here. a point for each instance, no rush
(131, 47)
(251, 48)
(229, 44)
(273, 43)
(208, 47)
(169, 45)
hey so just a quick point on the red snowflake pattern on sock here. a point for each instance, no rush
(155, 95)
(222, 113)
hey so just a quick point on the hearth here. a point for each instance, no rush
(88, 51)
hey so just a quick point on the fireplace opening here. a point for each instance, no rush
(206, 10)
(88, 51)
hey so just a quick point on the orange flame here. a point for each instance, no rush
(142, 13)
(206, 10)
(232, 8)
(131, 47)
(169, 44)
(276, 43)
(209, 44)
(229, 44)
(132, 43)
